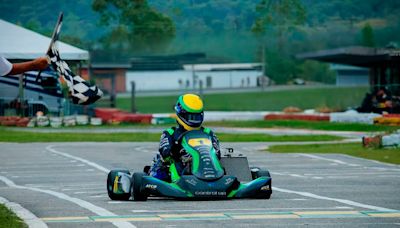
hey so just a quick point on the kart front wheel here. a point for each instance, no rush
(110, 186)
(137, 193)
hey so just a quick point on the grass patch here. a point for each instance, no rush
(21, 136)
(304, 98)
(353, 149)
(298, 124)
(9, 219)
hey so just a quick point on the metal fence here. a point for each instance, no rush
(29, 108)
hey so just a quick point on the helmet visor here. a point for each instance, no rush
(191, 119)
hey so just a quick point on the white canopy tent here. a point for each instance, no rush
(18, 43)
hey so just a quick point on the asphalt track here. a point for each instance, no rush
(63, 185)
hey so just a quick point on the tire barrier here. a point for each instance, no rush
(14, 121)
(115, 116)
(389, 140)
(353, 117)
(306, 117)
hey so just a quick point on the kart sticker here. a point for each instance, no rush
(199, 142)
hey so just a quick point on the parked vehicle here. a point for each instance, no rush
(42, 93)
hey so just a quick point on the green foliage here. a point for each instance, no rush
(314, 125)
(280, 68)
(21, 136)
(139, 27)
(9, 219)
(280, 15)
(316, 71)
(221, 28)
(367, 36)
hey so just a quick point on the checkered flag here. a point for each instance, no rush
(80, 90)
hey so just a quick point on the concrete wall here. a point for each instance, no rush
(173, 80)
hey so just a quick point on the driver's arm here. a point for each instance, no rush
(215, 143)
(165, 148)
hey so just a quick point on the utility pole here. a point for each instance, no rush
(263, 79)
(21, 95)
(133, 103)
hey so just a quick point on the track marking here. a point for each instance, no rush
(328, 159)
(343, 201)
(241, 209)
(307, 194)
(29, 218)
(229, 216)
(266, 216)
(84, 204)
(99, 167)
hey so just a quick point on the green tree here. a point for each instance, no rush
(280, 68)
(368, 38)
(279, 15)
(136, 26)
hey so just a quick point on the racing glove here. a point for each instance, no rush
(185, 157)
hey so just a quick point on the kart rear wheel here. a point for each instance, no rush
(137, 193)
(258, 172)
(110, 185)
(261, 173)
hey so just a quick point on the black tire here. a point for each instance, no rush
(110, 182)
(137, 193)
(262, 173)
(146, 169)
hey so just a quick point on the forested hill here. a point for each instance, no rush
(220, 27)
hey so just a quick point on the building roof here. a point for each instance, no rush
(334, 66)
(222, 67)
(355, 55)
(17, 43)
(165, 62)
(108, 66)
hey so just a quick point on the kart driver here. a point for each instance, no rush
(189, 116)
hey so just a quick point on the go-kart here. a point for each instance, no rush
(205, 176)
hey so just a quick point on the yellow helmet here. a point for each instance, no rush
(189, 111)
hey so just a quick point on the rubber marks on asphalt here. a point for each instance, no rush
(227, 216)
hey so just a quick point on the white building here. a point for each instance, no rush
(210, 76)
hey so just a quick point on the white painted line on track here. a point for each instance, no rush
(99, 167)
(307, 194)
(84, 204)
(328, 159)
(374, 161)
(29, 218)
(344, 201)
(352, 164)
